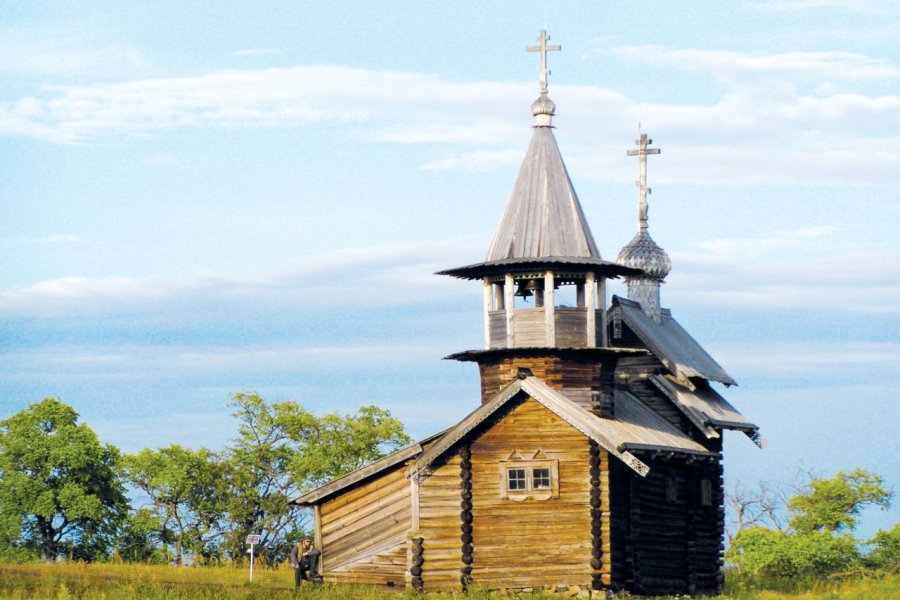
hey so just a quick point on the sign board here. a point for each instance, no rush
(252, 539)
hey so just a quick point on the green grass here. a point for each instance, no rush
(65, 581)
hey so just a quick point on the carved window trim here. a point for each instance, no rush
(534, 476)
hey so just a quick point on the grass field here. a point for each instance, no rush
(125, 581)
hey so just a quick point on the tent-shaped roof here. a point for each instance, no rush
(669, 342)
(543, 217)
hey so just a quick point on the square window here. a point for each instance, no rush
(533, 478)
(516, 479)
(540, 479)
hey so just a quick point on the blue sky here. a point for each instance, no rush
(198, 200)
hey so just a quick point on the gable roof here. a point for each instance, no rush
(635, 426)
(374, 468)
(669, 342)
(543, 217)
(705, 408)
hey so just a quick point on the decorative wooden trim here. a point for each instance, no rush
(465, 515)
(539, 461)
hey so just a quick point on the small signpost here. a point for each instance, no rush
(252, 539)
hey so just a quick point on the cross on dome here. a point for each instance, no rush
(543, 38)
(643, 143)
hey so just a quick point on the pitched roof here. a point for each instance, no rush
(543, 217)
(635, 426)
(382, 464)
(705, 407)
(669, 342)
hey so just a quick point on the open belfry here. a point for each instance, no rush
(594, 459)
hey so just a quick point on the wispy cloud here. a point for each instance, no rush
(57, 238)
(403, 274)
(24, 51)
(847, 6)
(256, 52)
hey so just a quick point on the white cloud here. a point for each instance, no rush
(26, 51)
(784, 280)
(742, 69)
(403, 274)
(253, 52)
(884, 7)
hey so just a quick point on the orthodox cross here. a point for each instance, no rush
(543, 49)
(643, 150)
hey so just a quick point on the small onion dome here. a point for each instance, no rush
(643, 253)
(543, 110)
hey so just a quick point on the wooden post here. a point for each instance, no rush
(591, 304)
(488, 306)
(414, 502)
(510, 303)
(317, 531)
(549, 309)
(601, 297)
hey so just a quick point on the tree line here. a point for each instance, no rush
(63, 493)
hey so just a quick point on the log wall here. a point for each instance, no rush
(364, 531)
(439, 526)
(584, 380)
(531, 543)
(664, 539)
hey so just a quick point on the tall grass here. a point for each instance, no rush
(70, 581)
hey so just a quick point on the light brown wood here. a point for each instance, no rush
(533, 542)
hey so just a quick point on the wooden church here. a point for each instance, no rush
(595, 456)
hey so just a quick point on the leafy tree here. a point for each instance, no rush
(817, 541)
(59, 487)
(885, 550)
(187, 493)
(832, 505)
(283, 450)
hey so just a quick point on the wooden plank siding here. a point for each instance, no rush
(531, 543)
(439, 525)
(364, 531)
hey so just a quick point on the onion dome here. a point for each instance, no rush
(543, 110)
(644, 254)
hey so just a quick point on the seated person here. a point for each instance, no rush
(305, 560)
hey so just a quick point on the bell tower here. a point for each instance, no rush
(543, 246)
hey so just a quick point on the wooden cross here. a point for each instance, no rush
(642, 152)
(543, 49)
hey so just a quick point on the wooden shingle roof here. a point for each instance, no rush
(543, 217)
(669, 342)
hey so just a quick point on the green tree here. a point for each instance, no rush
(59, 488)
(833, 505)
(818, 539)
(283, 450)
(186, 493)
(884, 550)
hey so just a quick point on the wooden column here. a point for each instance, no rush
(549, 309)
(601, 297)
(510, 303)
(591, 303)
(488, 307)
(317, 532)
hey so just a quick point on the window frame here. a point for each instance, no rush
(533, 492)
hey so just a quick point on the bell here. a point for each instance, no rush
(528, 287)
